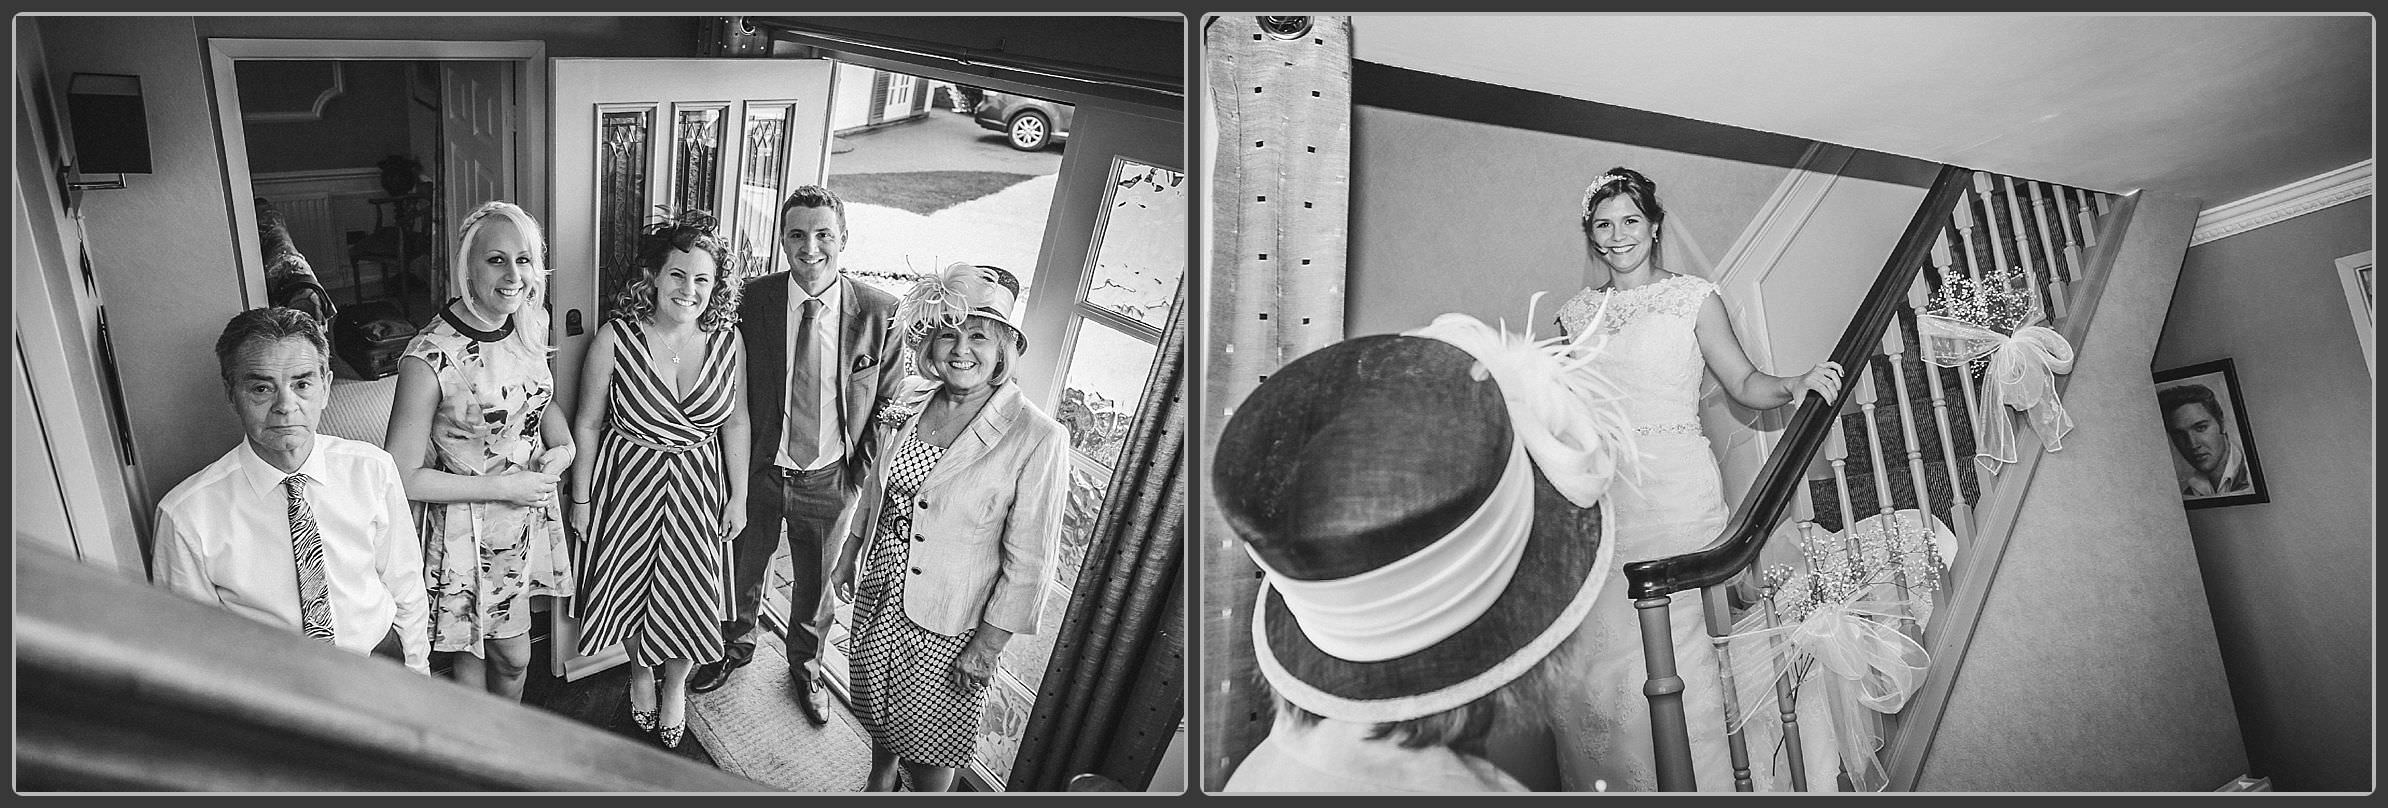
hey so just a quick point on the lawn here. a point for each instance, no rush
(922, 192)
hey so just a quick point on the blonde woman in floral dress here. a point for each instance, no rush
(480, 444)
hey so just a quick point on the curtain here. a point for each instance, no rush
(1113, 694)
(1280, 163)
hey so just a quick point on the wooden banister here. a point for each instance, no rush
(125, 687)
(1746, 531)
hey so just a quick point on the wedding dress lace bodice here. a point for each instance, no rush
(1652, 353)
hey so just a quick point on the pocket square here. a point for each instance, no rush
(863, 362)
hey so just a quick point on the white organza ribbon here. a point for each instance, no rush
(1872, 668)
(1569, 416)
(2021, 377)
(1405, 606)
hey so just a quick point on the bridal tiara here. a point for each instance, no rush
(1595, 187)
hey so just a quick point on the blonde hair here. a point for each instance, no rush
(1007, 351)
(530, 322)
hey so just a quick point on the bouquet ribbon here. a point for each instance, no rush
(2021, 377)
(1872, 668)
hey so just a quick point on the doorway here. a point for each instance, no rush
(355, 159)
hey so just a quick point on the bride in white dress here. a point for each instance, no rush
(1663, 330)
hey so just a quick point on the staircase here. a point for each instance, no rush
(1900, 446)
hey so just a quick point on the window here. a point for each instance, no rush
(1121, 305)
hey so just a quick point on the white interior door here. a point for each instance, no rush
(729, 136)
(476, 138)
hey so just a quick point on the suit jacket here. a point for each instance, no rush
(986, 521)
(871, 364)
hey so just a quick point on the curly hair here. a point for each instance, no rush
(657, 243)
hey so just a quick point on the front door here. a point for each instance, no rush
(638, 137)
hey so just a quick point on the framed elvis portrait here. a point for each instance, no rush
(2205, 421)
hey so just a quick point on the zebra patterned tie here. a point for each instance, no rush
(306, 547)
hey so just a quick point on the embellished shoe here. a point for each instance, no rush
(644, 719)
(670, 736)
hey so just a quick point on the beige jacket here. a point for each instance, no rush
(986, 521)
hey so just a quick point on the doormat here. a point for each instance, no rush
(754, 729)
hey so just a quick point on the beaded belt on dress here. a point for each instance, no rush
(1684, 428)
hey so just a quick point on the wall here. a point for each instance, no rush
(161, 248)
(367, 122)
(2094, 666)
(2291, 580)
(1466, 197)
(57, 326)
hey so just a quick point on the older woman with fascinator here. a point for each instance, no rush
(480, 447)
(658, 503)
(953, 531)
(1428, 514)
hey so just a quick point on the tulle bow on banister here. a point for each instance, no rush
(1570, 417)
(1867, 666)
(2021, 377)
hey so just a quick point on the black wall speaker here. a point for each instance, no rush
(111, 126)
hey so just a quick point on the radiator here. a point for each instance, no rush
(309, 218)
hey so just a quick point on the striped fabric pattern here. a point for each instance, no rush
(656, 566)
(306, 547)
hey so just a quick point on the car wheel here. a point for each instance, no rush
(1029, 131)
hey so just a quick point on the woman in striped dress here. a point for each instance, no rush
(655, 504)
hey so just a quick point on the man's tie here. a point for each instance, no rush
(306, 546)
(804, 390)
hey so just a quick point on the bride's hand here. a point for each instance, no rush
(1824, 380)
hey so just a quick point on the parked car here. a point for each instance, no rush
(1029, 124)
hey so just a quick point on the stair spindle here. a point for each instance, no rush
(1962, 220)
(1836, 453)
(1869, 392)
(1720, 626)
(2059, 278)
(2084, 217)
(2021, 243)
(1960, 514)
(1921, 491)
(1785, 696)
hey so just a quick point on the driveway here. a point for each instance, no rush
(987, 202)
(942, 141)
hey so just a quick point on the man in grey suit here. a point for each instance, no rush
(820, 350)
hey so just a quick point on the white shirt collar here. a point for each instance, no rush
(265, 478)
(830, 297)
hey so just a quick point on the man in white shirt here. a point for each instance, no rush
(292, 528)
(2193, 420)
(820, 350)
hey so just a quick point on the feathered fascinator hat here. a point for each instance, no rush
(957, 293)
(1425, 510)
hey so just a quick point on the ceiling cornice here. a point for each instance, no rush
(2285, 202)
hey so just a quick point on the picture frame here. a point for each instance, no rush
(2213, 449)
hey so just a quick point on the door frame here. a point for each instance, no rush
(530, 72)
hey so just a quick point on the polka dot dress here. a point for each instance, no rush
(899, 669)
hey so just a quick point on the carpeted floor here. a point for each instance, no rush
(754, 729)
